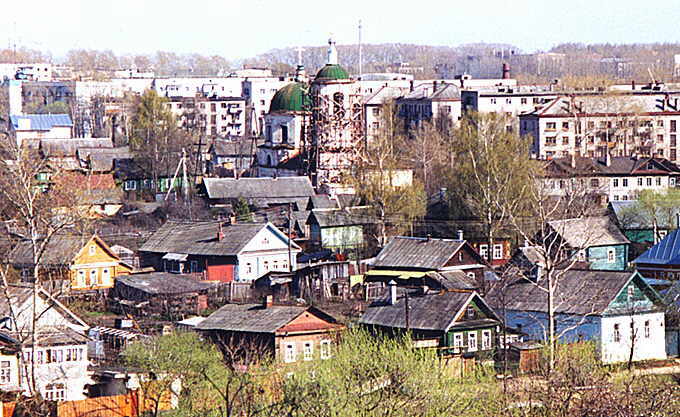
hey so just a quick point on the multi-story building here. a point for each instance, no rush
(220, 117)
(614, 178)
(259, 91)
(430, 101)
(590, 124)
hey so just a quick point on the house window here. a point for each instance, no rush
(55, 392)
(625, 182)
(308, 351)
(5, 372)
(130, 185)
(458, 340)
(265, 265)
(486, 339)
(647, 332)
(617, 333)
(631, 293)
(610, 255)
(523, 100)
(81, 278)
(658, 182)
(615, 182)
(472, 342)
(289, 353)
(649, 182)
(93, 276)
(550, 126)
(325, 349)
(483, 251)
(470, 312)
(460, 256)
(106, 275)
(249, 268)
(498, 251)
(639, 182)
(594, 182)
(92, 250)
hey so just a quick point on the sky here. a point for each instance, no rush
(238, 29)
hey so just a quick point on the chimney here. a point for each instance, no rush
(460, 235)
(268, 301)
(434, 87)
(220, 233)
(392, 299)
(506, 71)
(632, 85)
(572, 160)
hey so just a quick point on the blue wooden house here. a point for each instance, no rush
(616, 310)
(594, 240)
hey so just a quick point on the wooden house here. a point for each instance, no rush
(259, 192)
(406, 258)
(454, 322)
(338, 229)
(617, 310)
(87, 264)
(288, 333)
(160, 293)
(594, 240)
(59, 359)
(219, 251)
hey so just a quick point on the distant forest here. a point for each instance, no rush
(641, 62)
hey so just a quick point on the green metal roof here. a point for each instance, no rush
(292, 97)
(332, 72)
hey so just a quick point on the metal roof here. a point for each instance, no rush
(42, 121)
(283, 187)
(293, 97)
(416, 252)
(666, 252)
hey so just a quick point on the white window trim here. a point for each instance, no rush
(308, 351)
(472, 347)
(325, 349)
(486, 339)
(289, 353)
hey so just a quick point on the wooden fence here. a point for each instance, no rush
(126, 405)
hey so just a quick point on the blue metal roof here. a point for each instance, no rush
(666, 252)
(42, 121)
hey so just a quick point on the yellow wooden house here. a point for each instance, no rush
(88, 264)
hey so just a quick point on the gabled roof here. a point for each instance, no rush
(283, 187)
(69, 147)
(42, 121)
(417, 252)
(61, 250)
(161, 283)
(255, 318)
(619, 165)
(200, 238)
(436, 311)
(335, 217)
(19, 294)
(578, 292)
(587, 232)
(666, 252)
(453, 280)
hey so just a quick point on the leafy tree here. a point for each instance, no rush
(382, 178)
(655, 206)
(155, 139)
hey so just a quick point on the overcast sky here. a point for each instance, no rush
(244, 28)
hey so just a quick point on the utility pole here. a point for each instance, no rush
(290, 237)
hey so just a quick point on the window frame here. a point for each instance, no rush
(472, 342)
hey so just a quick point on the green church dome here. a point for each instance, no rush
(292, 97)
(332, 72)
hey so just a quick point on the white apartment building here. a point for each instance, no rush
(259, 91)
(30, 71)
(222, 117)
(624, 124)
(615, 178)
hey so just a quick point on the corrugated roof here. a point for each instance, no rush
(159, 283)
(586, 232)
(221, 188)
(416, 252)
(426, 311)
(666, 252)
(253, 318)
(42, 121)
(200, 238)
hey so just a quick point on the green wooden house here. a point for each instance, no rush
(453, 322)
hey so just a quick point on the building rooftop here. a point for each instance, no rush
(415, 252)
(40, 121)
